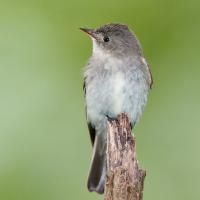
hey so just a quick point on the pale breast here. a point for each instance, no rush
(117, 82)
(111, 91)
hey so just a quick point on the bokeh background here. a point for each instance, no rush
(44, 144)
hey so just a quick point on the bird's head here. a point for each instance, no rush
(115, 39)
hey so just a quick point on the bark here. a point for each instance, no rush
(125, 180)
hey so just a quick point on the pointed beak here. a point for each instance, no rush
(90, 32)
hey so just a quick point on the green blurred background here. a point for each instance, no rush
(45, 149)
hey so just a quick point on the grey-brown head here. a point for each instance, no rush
(114, 39)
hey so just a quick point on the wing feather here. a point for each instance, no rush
(91, 129)
(150, 77)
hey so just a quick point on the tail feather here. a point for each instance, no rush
(97, 174)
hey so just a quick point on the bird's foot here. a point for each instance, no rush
(110, 119)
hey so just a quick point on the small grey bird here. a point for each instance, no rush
(117, 79)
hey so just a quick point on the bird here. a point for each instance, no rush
(117, 79)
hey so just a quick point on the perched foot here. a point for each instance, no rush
(110, 119)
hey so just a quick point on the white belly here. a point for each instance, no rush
(113, 93)
(116, 100)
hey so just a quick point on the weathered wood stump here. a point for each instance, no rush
(125, 180)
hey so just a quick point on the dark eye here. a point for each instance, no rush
(106, 39)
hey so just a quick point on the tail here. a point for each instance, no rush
(97, 174)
